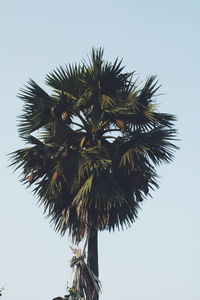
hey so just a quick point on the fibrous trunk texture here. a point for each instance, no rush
(92, 259)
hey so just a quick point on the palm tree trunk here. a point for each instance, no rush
(92, 259)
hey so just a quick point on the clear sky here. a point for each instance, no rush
(159, 257)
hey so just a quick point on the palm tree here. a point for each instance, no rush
(99, 139)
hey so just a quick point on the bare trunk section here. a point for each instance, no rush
(92, 259)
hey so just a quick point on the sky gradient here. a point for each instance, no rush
(159, 257)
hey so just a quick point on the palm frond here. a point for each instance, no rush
(148, 91)
(37, 108)
(66, 79)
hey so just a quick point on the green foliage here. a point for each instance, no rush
(73, 294)
(99, 139)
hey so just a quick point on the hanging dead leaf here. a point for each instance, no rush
(64, 154)
(120, 125)
(35, 152)
(56, 175)
(64, 116)
(31, 178)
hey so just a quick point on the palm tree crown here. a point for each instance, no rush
(99, 139)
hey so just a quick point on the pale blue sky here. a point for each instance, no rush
(159, 257)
